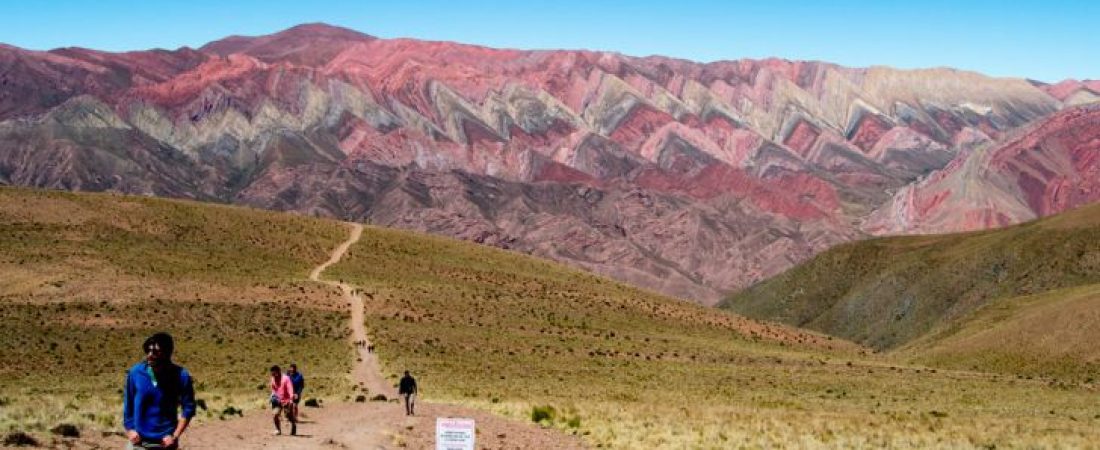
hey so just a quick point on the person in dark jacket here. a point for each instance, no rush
(407, 388)
(156, 391)
(299, 383)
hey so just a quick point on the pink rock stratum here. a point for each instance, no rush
(691, 179)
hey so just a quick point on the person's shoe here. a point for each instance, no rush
(277, 432)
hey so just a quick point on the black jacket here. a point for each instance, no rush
(407, 386)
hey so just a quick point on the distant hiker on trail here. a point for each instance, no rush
(370, 348)
(299, 383)
(282, 400)
(407, 389)
(155, 389)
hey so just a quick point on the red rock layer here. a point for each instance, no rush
(1050, 168)
(658, 171)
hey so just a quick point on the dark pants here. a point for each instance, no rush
(150, 444)
(410, 402)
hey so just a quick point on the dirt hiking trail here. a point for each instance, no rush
(366, 372)
(371, 424)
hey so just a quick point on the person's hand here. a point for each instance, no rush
(168, 441)
(133, 436)
(295, 397)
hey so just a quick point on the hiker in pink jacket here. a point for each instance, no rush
(282, 398)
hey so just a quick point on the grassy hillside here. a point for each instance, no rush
(1049, 334)
(887, 292)
(630, 369)
(84, 278)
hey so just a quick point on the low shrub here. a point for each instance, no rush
(232, 410)
(20, 439)
(540, 414)
(66, 430)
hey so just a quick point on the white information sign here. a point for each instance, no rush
(454, 434)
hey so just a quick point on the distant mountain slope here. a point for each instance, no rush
(890, 291)
(1049, 334)
(1043, 169)
(1074, 92)
(693, 179)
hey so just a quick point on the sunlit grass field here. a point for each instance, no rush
(66, 362)
(626, 368)
(1053, 334)
(85, 278)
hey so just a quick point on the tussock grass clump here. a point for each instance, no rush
(66, 430)
(20, 439)
(230, 411)
(543, 414)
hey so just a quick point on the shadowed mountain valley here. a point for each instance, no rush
(1018, 300)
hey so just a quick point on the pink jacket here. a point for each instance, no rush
(284, 390)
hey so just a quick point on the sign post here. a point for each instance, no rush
(454, 434)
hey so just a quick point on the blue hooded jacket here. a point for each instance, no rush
(150, 404)
(298, 381)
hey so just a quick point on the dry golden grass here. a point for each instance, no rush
(1053, 334)
(621, 367)
(84, 278)
(66, 362)
(626, 368)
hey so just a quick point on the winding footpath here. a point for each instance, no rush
(366, 373)
(368, 425)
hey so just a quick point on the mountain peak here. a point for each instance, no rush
(321, 29)
(308, 44)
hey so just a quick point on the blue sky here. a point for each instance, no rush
(1045, 40)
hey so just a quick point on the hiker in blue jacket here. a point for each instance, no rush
(299, 383)
(155, 389)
